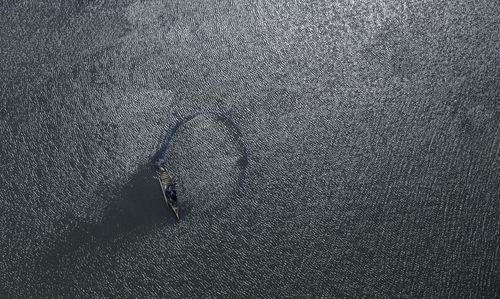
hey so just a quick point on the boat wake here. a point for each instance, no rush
(210, 160)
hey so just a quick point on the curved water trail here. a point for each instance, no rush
(229, 121)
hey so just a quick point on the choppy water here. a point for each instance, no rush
(321, 149)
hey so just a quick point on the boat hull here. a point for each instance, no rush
(165, 181)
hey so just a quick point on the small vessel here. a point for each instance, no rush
(167, 188)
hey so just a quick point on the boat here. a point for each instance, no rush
(166, 181)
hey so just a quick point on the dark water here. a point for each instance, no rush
(335, 149)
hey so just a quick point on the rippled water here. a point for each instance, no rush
(321, 149)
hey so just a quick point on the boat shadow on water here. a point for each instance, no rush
(131, 213)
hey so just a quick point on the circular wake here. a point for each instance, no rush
(209, 158)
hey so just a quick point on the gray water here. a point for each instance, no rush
(335, 149)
